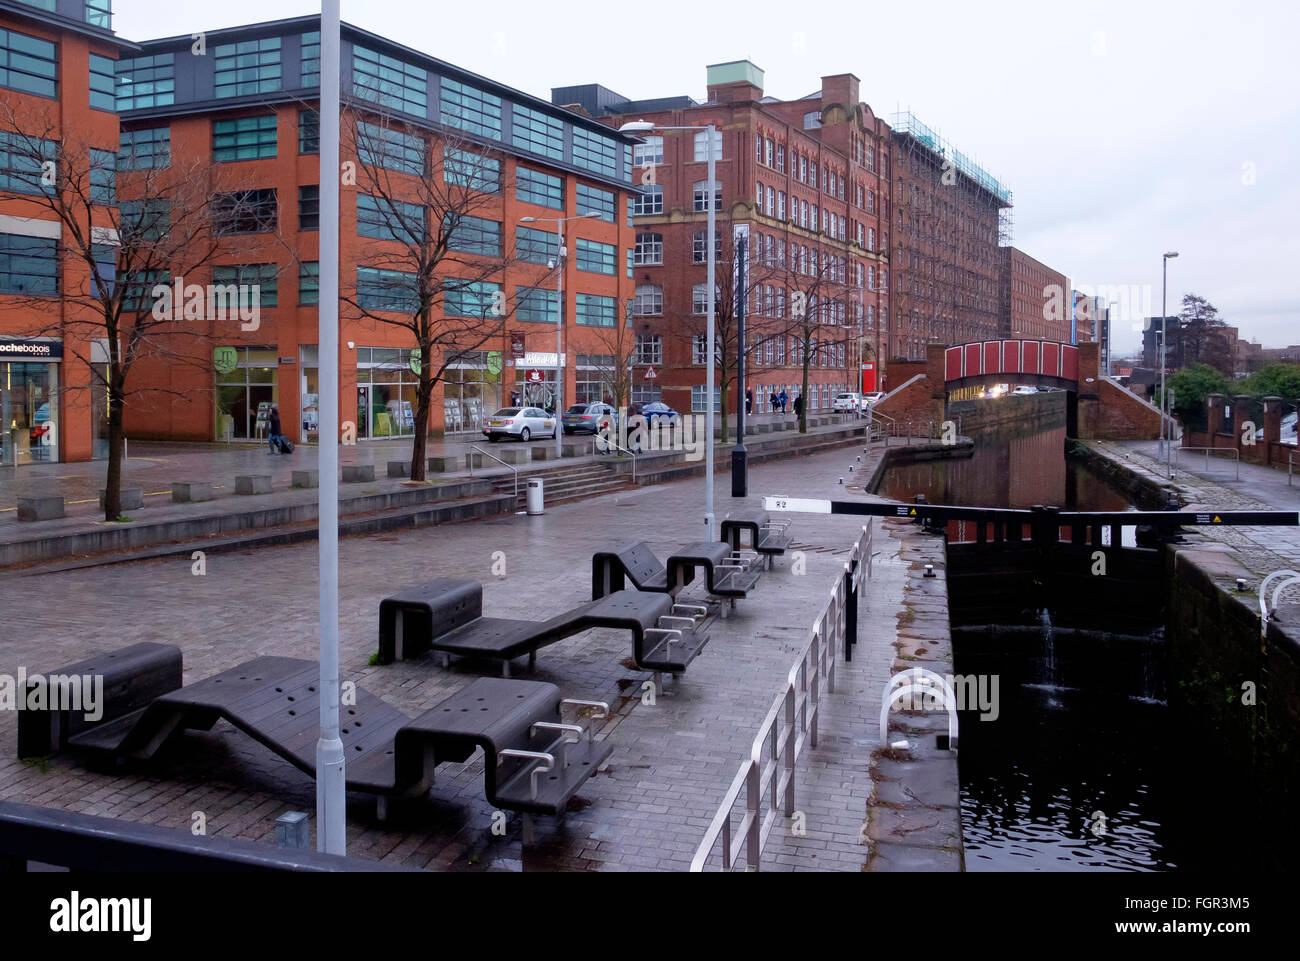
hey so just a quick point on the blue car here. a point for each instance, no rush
(655, 412)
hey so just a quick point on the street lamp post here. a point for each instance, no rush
(559, 317)
(1164, 360)
(715, 194)
(331, 780)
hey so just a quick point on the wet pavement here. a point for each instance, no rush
(673, 759)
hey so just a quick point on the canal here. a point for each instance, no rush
(1083, 768)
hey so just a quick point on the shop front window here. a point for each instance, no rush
(30, 410)
(387, 380)
(471, 389)
(245, 394)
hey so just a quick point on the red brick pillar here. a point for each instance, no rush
(1214, 417)
(1273, 420)
(1242, 411)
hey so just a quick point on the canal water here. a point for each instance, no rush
(1073, 775)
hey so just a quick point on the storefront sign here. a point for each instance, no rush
(224, 359)
(30, 350)
(494, 362)
(415, 361)
(286, 360)
(517, 348)
(534, 377)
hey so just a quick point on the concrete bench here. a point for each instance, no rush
(399, 468)
(764, 427)
(359, 474)
(253, 484)
(306, 478)
(443, 465)
(129, 498)
(43, 508)
(191, 492)
(576, 448)
(515, 455)
(544, 452)
(474, 459)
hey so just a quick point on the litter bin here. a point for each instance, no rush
(534, 496)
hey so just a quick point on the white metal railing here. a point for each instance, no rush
(1236, 456)
(1266, 610)
(769, 771)
(499, 461)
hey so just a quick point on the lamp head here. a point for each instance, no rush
(637, 126)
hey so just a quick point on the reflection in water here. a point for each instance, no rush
(1016, 469)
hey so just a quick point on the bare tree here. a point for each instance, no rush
(435, 208)
(122, 240)
(818, 292)
(619, 347)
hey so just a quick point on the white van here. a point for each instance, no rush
(847, 402)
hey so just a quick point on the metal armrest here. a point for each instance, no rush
(688, 623)
(601, 706)
(530, 756)
(672, 634)
(699, 609)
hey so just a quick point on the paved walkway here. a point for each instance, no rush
(673, 759)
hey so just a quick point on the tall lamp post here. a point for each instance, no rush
(331, 780)
(645, 127)
(559, 316)
(1164, 360)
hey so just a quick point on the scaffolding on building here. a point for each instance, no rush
(947, 250)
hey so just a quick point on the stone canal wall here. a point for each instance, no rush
(1040, 410)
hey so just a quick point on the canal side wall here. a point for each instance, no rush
(914, 812)
(983, 413)
(1146, 492)
(913, 453)
(1236, 689)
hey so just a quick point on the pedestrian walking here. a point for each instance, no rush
(798, 405)
(775, 401)
(273, 432)
(785, 401)
(749, 401)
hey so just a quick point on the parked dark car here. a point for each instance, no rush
(654, 413)
(587, 418)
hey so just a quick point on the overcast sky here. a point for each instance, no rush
(1124, 129)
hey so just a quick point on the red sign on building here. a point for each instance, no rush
(534, 377)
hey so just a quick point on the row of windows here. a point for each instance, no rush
(650, 152)
(28, 64)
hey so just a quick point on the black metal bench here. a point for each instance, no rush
(764, 536)
(446, 616)
(533, 762)
(729, 574)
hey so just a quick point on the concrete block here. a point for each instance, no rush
(474, 459)
(253, 484)
(764, 427)
(191, 492)
(544, 452)
(42, 508)
(132, 498)
(750, 428)
(359, 473)
(516, 455)
(576, 448)
(399, 468)
(306, 478)
(443, 465)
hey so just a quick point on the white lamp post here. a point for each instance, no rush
(331, 780)
(559, 316)
(715, 194)
(1164, 361)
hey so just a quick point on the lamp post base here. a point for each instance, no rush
(739, 471)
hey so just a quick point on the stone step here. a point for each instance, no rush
(582, 492)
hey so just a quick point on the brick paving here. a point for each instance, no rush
(673, 759)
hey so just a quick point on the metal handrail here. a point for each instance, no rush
(1290, 467)
(630, 453)
(797, 708)
(1236, 456)
(872, 414)
(499, 461)
(1289, 577)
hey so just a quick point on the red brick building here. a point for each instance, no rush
(56, 92)
(809, 179)
(247, 110)
(951, 220)
(1036, 299)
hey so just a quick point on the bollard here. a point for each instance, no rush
(292, 830)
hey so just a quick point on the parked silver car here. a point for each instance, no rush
(521, 422)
